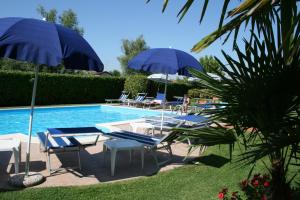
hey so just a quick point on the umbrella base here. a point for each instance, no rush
(20, 180)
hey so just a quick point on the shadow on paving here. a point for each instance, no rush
(95, 165)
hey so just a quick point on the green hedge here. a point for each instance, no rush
(16, 88)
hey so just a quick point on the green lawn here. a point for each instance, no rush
(201, 181)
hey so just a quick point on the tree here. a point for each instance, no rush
(115, 72)
(131, 48)
(68, 18)
(50, 16)
(210, 64)
(262, 94)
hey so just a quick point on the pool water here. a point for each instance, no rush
(16, 120)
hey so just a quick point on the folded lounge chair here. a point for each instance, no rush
(158, 100)
(140, 97)
(121, 99)
(186, 121)
(61, 140)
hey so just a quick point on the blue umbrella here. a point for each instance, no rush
(45, 43)
(166, 61)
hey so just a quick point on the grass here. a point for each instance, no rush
(200, 181)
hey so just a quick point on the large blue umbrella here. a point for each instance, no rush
(45, 43)
(166, 61)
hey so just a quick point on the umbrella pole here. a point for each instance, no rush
(29, 179)
(31, 120)
(164, 105)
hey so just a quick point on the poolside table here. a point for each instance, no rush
(142, 125)
(116, 145)
(13, 145)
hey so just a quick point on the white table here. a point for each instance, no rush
(146, 126)
(122, 144)
(13, 145)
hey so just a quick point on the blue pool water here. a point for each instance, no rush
(16, 120)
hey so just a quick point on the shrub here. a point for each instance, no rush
(174, 89)
(16, 88)
(199, 93)
(135, 84)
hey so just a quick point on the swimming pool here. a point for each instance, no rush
(16, 120)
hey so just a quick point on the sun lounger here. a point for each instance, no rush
(159, 99)
(61, 140)
(150, 142)
(171, 122)
(140, 97)
(121, 99)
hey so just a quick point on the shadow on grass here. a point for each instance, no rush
(211, 160)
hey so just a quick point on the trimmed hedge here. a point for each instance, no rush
(16, 88)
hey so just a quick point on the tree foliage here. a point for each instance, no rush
(131, 48)
(210, 64)
(115, 72)
(68, 18)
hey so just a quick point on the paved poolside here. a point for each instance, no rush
(95, 165)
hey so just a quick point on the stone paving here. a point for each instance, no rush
(95, 165)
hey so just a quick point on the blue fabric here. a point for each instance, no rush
(59, 131)
(133, 136)
(160, 96)
(60, 143)
(192, 118)
(42, 42)
(164, 60)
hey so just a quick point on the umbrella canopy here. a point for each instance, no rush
(42, 42)
(165, 61)
(162, 77)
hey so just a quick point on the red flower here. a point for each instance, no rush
(255, 182)
(266, 184)
(221, 195)
(264, 197)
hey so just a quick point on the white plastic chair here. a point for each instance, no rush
(13, 145)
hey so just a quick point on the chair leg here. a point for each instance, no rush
(113, 161)
(170, 150)
(16, 157)
(49, 163)
(202, 149)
